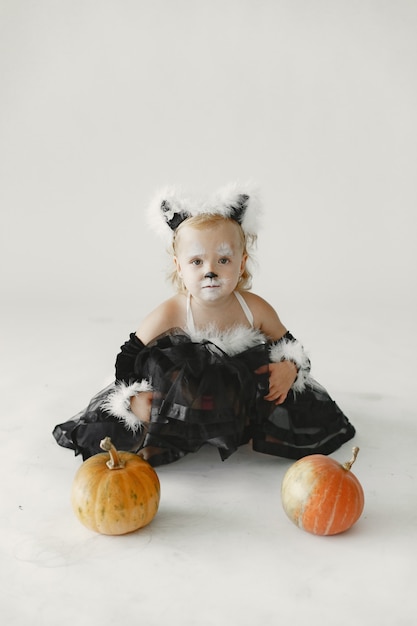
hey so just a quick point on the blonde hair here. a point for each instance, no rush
(206, 220)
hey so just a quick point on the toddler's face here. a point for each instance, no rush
(210, 260)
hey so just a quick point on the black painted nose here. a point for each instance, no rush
(210, 275)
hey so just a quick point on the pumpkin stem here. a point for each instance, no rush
(115, 462)
(349, 464)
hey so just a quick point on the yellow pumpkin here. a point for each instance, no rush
(321, 495)
(115, 494)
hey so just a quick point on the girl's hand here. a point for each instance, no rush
(141, 405)
(281, 378)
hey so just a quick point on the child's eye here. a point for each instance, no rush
(196, 262)
(223, 261)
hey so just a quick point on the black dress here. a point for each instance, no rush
(206, 395)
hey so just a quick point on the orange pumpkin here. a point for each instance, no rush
(322, 496)
(115, 495)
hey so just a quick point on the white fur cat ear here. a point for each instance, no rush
(168, 208)
(240, 202)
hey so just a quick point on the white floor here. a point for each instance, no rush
(221, 550)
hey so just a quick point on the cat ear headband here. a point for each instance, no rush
(170, 207)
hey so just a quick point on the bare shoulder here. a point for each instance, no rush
(169, 314)
(265, 316)
(258, 305)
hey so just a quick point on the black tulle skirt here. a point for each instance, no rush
(203, 396)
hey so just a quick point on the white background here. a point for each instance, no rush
(102, 103)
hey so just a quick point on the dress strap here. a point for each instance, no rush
(190, 318)
(248, 313)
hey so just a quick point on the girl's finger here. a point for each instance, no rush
(281, 398)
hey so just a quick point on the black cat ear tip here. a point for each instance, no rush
(173, 218)
(167, 210)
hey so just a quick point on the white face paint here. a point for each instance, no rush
(195, 249)
(216, 251)
(225, 250)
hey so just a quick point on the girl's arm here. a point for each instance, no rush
(169, 314)
(289, 367)
(131, 399)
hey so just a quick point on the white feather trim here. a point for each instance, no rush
(117, 403)
(231, 341)
(292, 350)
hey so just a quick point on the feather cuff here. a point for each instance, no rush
(286, 349)
(117, 402)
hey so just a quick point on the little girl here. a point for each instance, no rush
(214, 363)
